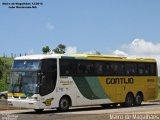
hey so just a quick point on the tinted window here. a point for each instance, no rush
(116, 68)
(67, 67)
(85, 68)
(143, 69)
(130, 69)
(153, 69)
(102, 68)
(49, 76)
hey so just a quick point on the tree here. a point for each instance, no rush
(98, 53)
(1, 68)
(60, 49)
(45, 49)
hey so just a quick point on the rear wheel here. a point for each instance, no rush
(122, 104)
(106, 105)
(114, 105)
(129, 100)
(138, 99)
(64, 104)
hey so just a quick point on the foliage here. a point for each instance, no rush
(1, 68)
(98, 53)
(45, 49)
(60, 49)
(6, 72)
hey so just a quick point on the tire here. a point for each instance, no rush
(138, 99)
(122, 104)
(114, 105)
(129, 101)
(39, 110)
(106, 105)
(64, 104)
(3, 97)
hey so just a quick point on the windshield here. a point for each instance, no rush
(25, 82)
(27, 64)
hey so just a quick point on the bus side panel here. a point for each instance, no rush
(90, 90)
(117, 91)
(95, 90)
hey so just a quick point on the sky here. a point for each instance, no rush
(117, 27)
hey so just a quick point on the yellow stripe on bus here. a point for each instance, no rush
(16, 94)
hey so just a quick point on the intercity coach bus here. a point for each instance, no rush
(59, 81)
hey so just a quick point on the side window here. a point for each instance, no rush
(153, 70)
(66, 67)
(89, 68)
(130, 68)
(49, 77)
(81, 68)
(101, 68)
(49, 65)
(147, 69)
(116, 68)
(144, 69)
(141, 69)
(85, 68)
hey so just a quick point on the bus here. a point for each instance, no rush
(59, 81)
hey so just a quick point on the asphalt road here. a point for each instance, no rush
(149, 111)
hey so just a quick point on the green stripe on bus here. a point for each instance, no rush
(90, 87)
(84, 87)
(96, 87)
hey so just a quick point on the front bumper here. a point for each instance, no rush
(33, 104)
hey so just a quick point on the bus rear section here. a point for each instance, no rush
(112, 80)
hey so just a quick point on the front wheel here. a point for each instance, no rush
(3, 97)
(64, 104)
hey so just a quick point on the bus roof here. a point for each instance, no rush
(114, 58)
(39, 57)
(84, 56)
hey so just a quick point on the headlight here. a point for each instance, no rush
(9, 97)
(34, 98)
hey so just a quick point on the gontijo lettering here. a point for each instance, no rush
(119, 80)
